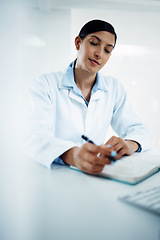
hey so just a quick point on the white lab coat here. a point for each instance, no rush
(60, 115)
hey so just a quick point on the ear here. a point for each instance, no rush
(78, 40)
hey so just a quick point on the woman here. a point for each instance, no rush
(80, 101)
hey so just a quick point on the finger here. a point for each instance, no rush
(120, 153)
(118, 147)
(113, 141)
(91, 168)
(92, 148)
(107, 152)
(96, 159)
(102, 159)
(96, 154)
(121, 149)
(100, 150)
(89, 157)
(91, 153)
(92, 158)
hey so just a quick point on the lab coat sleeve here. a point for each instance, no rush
(126, 123)
(41, 143)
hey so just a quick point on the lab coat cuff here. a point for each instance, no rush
(60, 161)
(145, 143)
(59, 151)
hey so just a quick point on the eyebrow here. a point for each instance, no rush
(101, 41)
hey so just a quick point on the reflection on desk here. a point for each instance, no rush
(62, 204)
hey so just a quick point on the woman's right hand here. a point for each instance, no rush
(88, 158)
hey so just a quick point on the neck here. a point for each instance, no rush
(83, 79)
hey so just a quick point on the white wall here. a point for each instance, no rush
(135, 60)
(34, 40)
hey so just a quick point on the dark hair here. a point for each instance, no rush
(96, 26)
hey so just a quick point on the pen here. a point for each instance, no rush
(113, 153)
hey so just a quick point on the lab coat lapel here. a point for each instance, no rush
(97, 95)
(74, 96)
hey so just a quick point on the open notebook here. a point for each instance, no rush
(132, 169)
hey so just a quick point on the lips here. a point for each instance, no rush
(94, 62)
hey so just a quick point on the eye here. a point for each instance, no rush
(93, 43)
(106, 50)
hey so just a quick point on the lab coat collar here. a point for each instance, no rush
(68, 82)
(68, 78)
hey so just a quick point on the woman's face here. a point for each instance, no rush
(94, 50)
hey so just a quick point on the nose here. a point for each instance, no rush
(98, 53)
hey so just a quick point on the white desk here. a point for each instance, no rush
(58, 204)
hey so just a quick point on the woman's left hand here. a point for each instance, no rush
(122, 147)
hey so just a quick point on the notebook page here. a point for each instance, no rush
(129, 169)
(144, 157)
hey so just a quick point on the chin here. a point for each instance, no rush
(92, 69)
